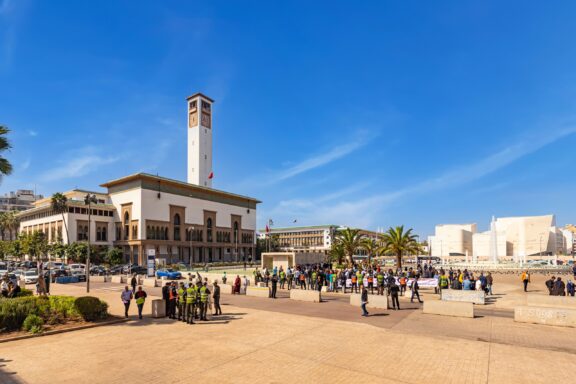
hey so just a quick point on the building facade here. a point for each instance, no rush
(146, 215)
(20, 200)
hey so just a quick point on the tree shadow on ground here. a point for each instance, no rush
(7, 377)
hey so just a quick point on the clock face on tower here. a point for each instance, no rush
(206, 120)
(193, 119)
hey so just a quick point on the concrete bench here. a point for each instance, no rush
(118, 279)
(476, 297)
(151, 282)
(449, 308)
(261, 285)
(305, 295)
(158, 308)
(258, 292)
(561, 317)
(551, 301)
(374, 301)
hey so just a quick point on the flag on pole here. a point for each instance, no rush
(211, 175)
(267, 228)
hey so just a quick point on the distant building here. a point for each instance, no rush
(20, 200)
(310, 239)
(452, 240)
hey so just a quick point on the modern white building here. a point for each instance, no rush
(145, 214)
(511, 238)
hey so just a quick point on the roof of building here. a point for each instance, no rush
(201, 95)
(44, 201)
(178, 183)
(301, 228)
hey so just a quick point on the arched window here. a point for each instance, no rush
(166, 233)
(126, 225)
(209, 230)
(148, 233)
(177, 227)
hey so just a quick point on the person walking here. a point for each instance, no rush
(216, 297)
(126, 296)
(394, 291)
(415, 290)
(224, 278)
(134, 283)
(525, 277)
(274, 282)
(237, 284)
(489, 283)
(364, 300)
(140, 297)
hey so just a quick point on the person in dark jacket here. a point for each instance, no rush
(415, 288)
(133, 283)
(559, 288)
(550, 285)
(274, 281)
(364, 300)
(216, 297)
(166, 296)
(394, 291)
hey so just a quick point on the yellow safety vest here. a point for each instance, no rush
(140, 300)
(190, 296)
(203, 295)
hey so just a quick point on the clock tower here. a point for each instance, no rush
(200, 140)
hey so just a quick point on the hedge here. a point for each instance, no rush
(52, 310)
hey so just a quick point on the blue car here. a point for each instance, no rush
(169, 274)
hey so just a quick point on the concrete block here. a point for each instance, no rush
(325, 288)
(158, 308)
(561, 317)
(261, 285)
(374, 301)
(476, 297)
(118, 279)
(305, 295)
(98, 279)
(258, 292)
(449, 308)
(149, 282)
(551, 301)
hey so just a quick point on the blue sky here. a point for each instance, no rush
(367, 114)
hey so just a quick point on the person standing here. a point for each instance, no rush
(282, 278)
(224, 278)
(570, 288)
(204, 292)
(394, 291)
(489, 282)
(443, 282)
(525, 277)
(140, 297)
(190, 301)
(216, 297)
(133, 283)
(237, 283)
(181, 303)
(559, 288)
(550, 285)
(415, 290)
(290, 276)
(126, 296)
(364, 300)
(274, 286)
(172, 296)
(47, 281)
(166, 297)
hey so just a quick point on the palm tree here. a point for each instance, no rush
(60, 205)
(350, 240)
(400, 242)
(3, 223)
(372, 248)
(5, 166)
(337, 253)
(12, 223)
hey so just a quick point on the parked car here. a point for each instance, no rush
(139, 270)
(168, 273)
(81, 274)
(116, 270)
(78, 267)
(98, 270)
(128, 268)
(54, 273)
(31, 276)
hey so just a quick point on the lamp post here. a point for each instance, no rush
(191, 250)
(89, 200)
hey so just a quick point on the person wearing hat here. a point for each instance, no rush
(216, 297)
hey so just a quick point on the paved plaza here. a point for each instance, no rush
(277, 341)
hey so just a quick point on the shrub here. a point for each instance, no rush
(36, 329)
(32, 323)
(91, 308)
(25, 292)
(63, 307)
(13, 312)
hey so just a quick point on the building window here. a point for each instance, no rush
(235, 232)
(126, 225)
(82, 232)
(101, 232)
(134, 232)
(177, 227)
(209, 230)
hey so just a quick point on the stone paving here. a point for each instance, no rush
(278, 341)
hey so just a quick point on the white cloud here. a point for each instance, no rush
(32, 133)
(366, 211)
(77, 166)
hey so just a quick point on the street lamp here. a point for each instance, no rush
(191, 250)
(89, 200)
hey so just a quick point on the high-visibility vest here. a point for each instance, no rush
(443, 281)
(203, 295)
(181, 294)
(140, 300)
(190, 295)
(282, 274)
(359, 278)
(380, 278)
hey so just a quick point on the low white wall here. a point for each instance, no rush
(476, 297)
(258, 292)
(449, 308)
(551, 301)
(312, 296)
(561, 317)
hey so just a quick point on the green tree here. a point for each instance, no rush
(12, 223)
(59, 204)
(77, 251)
(3, 224)
(114, 256)
(5, 166)
(15, 249)
(399, 242)
(58, 249)
(350, 240)
(372, 248)
(35, 245)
